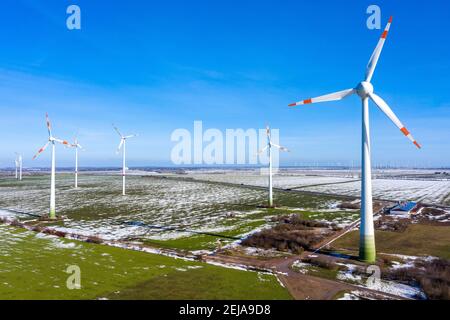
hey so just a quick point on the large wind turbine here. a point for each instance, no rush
(19, 166)
(268, 147)
(77, 146)
(123, 140)
(51, 140)
(365, 91)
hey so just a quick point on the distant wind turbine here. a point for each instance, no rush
(77, 146)
(18, 166)
(365, 91)
(123, 140)
(51, 140)
(16, 161)
(268, 147)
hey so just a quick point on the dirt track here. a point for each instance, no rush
(300, 286)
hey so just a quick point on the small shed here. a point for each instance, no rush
(402, 208)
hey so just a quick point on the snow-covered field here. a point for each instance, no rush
(282, 180)
(98, 207)
(418, 185)
(183, 205)
(434, 192)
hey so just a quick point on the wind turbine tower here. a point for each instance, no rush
(77, 146)
(51, 140)
(19, 166)
(268, 147)
(122, 145)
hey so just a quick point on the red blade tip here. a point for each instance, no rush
(292, 104)
(390, 19)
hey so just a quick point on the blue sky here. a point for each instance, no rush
(154, 66)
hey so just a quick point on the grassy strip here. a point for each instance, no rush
(416, 240)
(34, 267)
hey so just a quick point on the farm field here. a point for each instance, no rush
(416, 240)
(163, 212)
(177, 216)
(396, 185)
(434, 192)
(284, 180)
(34, 266)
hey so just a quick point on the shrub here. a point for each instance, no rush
(283, 238)
(395, 225)
(54, 232)
(432, 211)
(94, 239)
(432, 276)
(349, 205)
(37, 228)
(290, 234)
(16, 223)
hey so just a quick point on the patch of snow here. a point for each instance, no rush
(350, 296)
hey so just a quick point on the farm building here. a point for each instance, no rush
(403, 208)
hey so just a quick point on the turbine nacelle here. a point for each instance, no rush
(364, 89)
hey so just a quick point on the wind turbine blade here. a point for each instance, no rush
(41, 150)
(131, 136)
(49, 126)
(262, 150)
(64, 142)
(376, 53)
(79, 146)
(391, 115)
(117, 130)
(75, 138)
(120, 145)
(328, 97)
(280, 147)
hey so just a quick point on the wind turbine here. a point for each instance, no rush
(365, 91)
(51, 140)
(268, 147)
(123, 140)
(77, 146)
(18, 166)
(16, 162)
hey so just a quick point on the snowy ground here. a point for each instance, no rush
(397, 185)
(171, 208)
(282, 180)
(433, 192)
(349, 274)
(98, 207)
(390, 287)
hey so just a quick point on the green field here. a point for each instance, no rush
(33, 266)
(417, 240)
